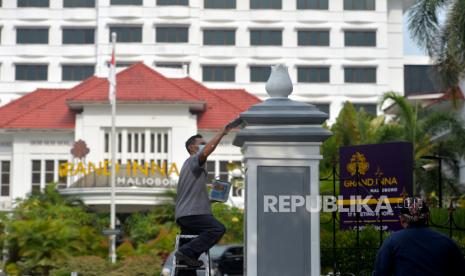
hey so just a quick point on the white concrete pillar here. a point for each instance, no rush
(281, 143)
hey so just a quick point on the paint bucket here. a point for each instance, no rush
(219, 190)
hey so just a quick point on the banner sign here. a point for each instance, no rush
(375, 171)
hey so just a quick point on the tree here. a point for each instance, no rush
(46, 229)
(445, 43)
(355, 128)
(432, 132)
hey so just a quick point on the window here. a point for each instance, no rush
(220, 4)
(260, 73)
(312, 4)
(77, 72)
(49, 171)
(78, 36)
(78, 3)
(127, 34)
(265, 37)
(360, 38)
(265, 4)
(5, 180)
(33, 3)
(313, 38)
(219, 37)
(173, 65)
(123, 64)
(313, 74)
(139, 144)
(32, 36)
(224, 173)
(172, 34)
(360, 74)
(173, 2)
(218, 73)
(359, 5)
(31, 72)
(211, 171)
(126, 2)
(368, 108)
(36, 176)
(421, 79)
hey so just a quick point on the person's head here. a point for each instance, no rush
(414, 212)
(193, 143)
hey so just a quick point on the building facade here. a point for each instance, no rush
(63, 136)
(336, 50)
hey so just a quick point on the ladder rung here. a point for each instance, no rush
(188, 236)
(186, 267)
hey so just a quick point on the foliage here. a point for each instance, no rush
(46, 229)
(233, 220)
(355, 128)
(138, 266)
(97, 266)
(83, 265)
(445, 43)
(432, 132)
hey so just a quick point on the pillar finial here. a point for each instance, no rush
(279, 84)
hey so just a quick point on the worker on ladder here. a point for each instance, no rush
(193, 207)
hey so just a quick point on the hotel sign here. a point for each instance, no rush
(130, 175)
(375, 170)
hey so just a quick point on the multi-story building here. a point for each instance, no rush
(336, 50)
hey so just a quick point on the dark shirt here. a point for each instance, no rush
(419, 251)
(192, 195)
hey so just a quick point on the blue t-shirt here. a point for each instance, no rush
(419, 251)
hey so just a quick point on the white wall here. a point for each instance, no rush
(387, 56)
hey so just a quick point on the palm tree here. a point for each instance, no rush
(432, 132)
(445, 43)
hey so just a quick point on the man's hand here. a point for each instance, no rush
(211, 145)
(233, 124)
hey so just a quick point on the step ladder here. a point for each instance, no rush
(175, 268)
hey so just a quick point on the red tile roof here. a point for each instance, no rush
(37, 110)
(50, 108)
(138, 83)
(219, 110)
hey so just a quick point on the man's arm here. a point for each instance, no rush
(211, 145)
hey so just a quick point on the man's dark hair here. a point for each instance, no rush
(191, 141)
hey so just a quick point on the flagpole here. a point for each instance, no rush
(113, 155)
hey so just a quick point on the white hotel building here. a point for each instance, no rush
(336, 51)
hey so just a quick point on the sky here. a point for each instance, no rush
(410, 47)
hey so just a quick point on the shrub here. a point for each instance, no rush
(83, 265)
(138, 266)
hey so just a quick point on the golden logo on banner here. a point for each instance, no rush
(359, 160)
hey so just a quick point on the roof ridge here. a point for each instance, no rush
(34, 108)
(146, 67)
(212, 93)
(77, 87)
